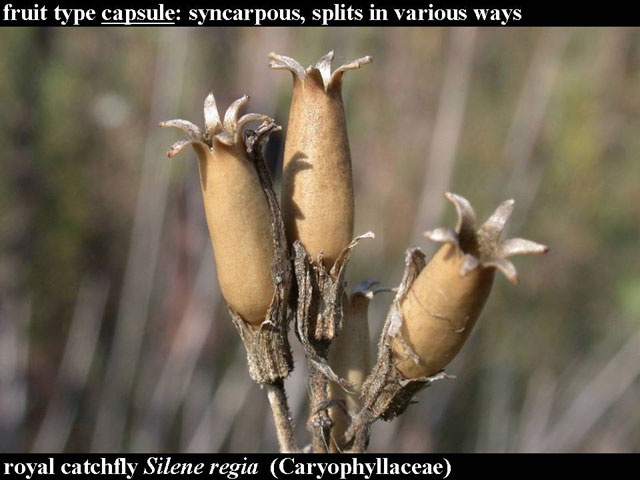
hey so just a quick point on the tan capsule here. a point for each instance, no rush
(236, 208)
(350, 355)
(445, 300)
(317, 186)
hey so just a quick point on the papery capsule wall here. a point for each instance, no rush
(317, 184)
(439, 312)
(236, 209)
(445, 300)
(351, 357)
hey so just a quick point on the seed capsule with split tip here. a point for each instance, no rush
(317, 185)
(235, 206)
(445, 300)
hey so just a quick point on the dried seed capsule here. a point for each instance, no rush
(350, 355)
(236, 208)
(317, 187)
(445, 300)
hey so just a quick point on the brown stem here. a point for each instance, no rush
(281, 416)
(320, 424)
(360, 431)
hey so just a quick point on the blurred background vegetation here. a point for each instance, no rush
(113, 333)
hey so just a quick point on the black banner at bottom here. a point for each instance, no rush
(312, 467)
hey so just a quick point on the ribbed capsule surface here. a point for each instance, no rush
(446, 299)
(236, 208)
(317, 186)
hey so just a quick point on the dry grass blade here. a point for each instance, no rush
(179, 366)
(447, 129)
(143, 253)
(217, 420)
(535, 412)
(15, 315)
(598, 395)
(528, 120)
(74, 369)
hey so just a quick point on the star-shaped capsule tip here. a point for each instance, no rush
(227, 132)
(321, 70)
(482, 247)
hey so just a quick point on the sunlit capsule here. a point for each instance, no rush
(236, 207)
(446, 298)
(317, 186)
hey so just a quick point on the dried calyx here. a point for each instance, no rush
(318, 320)
(319, 314)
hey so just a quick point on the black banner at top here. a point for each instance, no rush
(407, 13)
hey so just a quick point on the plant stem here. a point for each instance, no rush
(281, 416)
(320, 423)
(360, 431)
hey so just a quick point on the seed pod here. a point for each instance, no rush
(236, 208)
(445, 300)
(317, 187)
(350, 355)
